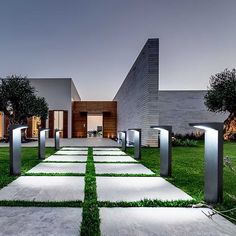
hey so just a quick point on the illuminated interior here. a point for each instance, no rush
(94, 125)
(58, 121)
(36, 122)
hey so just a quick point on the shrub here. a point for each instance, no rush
(184, 143)
(191, 136)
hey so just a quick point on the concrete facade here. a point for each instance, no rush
(138, 95)
(138, 103)
(179, 108)
(141, 104)
(59, 94)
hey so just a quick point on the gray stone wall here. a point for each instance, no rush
(137, 96)
(179, 108)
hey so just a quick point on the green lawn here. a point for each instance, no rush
(29, 160)
(188, 171)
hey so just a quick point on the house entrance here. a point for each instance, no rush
(94, 125)
(99, 116)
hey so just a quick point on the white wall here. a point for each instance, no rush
(58, 94)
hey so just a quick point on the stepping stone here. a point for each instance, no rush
(44, 188)
(109, 153)
(113, 159)
(74, 149)
(61, 158)
(106, 149)
(28, 221)
(162, 221)
(59, 168)
(131, 189)
(121, 169)
(61, 152)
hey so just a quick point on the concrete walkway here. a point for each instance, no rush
(116, 221)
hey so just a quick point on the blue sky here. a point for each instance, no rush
(96, 42)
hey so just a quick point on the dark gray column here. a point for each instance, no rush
(213, 160)
(123, 139)
(41, 143)
(15, 148)
(57, 139)
(137, 143)
(165, 149)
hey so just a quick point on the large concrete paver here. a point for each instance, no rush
(118, 168)
(137, 188)
(74, 149)
(71, 152)
(105, 149)
(61, 158)
(163, 222)
(44, 188)
(113, 159)
(109, 153)
(28, 221)
(59, 168)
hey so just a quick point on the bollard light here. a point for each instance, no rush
(213, 160)
(41, 143)
(123, 135)
(15, 148)
(57, 138)
(137, 143)
(165, 149)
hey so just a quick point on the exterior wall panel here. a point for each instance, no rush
(179, 108)
(137, 96)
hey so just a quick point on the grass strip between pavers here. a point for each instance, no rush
(53, 174)
(91, 222)
(149, 203)
(18, 203)
(64, 162)
(127, 175)
(115, 162)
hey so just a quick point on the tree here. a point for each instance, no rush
(221, 97)
(19, 100)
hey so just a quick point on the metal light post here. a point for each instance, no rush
(15, 148)
(213, 160)
(137, 143)
(57, 139)
(123, 135)
(41, 143)
(165, 149)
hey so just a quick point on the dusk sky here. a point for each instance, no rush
(95, 42)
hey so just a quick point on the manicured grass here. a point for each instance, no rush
(188, 171)
(29, 160)
(54, 174)
(149, 203)
(91, 221)
(127, 175)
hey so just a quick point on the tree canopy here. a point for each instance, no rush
(19, 100)
(221, 95)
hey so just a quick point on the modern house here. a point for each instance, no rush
(139, 103)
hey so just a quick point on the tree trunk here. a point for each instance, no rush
(230, 126)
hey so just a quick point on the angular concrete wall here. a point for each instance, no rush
(179, 108)
(137, 96)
